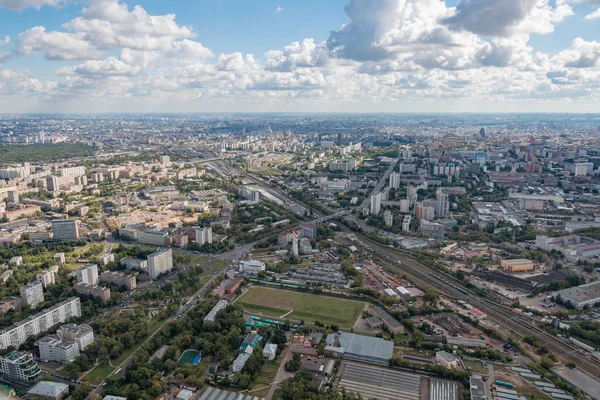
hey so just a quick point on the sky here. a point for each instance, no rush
(93, 56)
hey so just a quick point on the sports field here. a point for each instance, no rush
(308, 307)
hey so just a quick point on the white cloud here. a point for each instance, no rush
(278, 10)
(23, 4)
(594, 15)
(389, 51)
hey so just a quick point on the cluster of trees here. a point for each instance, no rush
(43, 153)
(113, 336)
(219, 340)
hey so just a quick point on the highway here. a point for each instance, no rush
(423, 276)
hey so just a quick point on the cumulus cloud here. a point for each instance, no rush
(507, 17)
(594, 15)
(389, 50)
(23, 4)
(278, 10)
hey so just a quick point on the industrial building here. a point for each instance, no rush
(518, 265)
(582, 295)
(446, 360)
(465, 342)
(393, 325)
(251, 267)
(212, 393)
(360, 348)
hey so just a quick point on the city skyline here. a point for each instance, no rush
(288, 56)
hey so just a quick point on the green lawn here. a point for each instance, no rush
(307, 307)
(98, 374)
(476, 367)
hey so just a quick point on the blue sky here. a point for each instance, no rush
(417, 53)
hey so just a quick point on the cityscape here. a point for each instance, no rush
(300, 200)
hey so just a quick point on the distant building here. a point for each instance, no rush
(388, 218)
(210, 317)
(65, 229)
(119, 279)
(88, 274)
(160, 262)
(20, 367)
(270, 351)
(582, 295)
(518, 265)
(16, 261)
(46, 278)
(432, 229)
(13, 196)
(60, 258)
(239, 362)
(52, 183)
(131, 263)
(72, 171)
(155, 238)
(32, 294)
(105, 259)
(54, 348)
(204, 235)
(308, 230)
(394, 180)
(360, 348)
(446, 360)
(375, 204)
(100, 292)
(251, 267)
(442, 205)
(18, 333)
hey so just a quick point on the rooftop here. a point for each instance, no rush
(581, 293)
(48, 389)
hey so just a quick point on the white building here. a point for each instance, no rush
(82, 335)
(65, 229)
(16, 261)
(270, 351)
(54, 348)
(46, 278)
(18, 333)
(394, 180)
(88, 274)
(32, 294)
(204, 235)
(295, 250)
(72, 171)
(131, 263)
(52, 183)
(210, 317)
(405, 206)
(20, 366)
(446, 360)
(160, 262)
(406, 223)
(376, 204)
(239, 362)
(442, 205)
(388, 218)
(251, 267)
(155, 238)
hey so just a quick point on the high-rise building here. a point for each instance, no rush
(20, 366)
(424, 212)
(308, 230)
(52, 183)
(406, 223)
(88, 274)
(160, 262)
(13, 196)
(32, 294)
(295, 250)
(404, 206)
(376, 204)
(442, 205)
(394, 180)
(65, 229)
(18, 333)
(72, 171)
(46, 278)
(204, 235)
(388, 218)
(164, 160)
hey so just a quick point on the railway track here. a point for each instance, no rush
(428, 277)
(425, 277)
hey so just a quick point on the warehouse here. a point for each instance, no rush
(390, 322)
(360, 348)
(519, 265)
(581, 296)
(466, 342)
